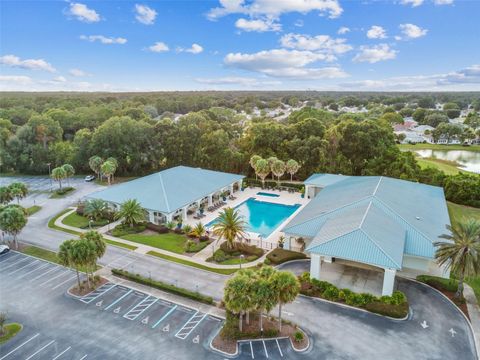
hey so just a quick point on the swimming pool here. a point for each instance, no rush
(267, 194)
(263, 217)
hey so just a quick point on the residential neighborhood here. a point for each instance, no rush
(241, 179)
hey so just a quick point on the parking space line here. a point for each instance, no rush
(138, 309)
(190, 325)
(15, 263)
(279, 349)
(42, 266)
(63, 352)
(83, 357)
(265, 348)
(163, 317)
(63, 282)
(55, 277)
(45, 273)
(119, 299)
(18, 347)
(24, 266)
(87, 299)
(36, 352)
(251, 350)
(9, 257)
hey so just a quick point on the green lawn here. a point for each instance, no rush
(457, 212)
(438, 147)
(170, 241)
(81, 222)
(33, 209)
(191, 263)
(51, 223)
(11, 330)
(446, 167)
(65, 191)
(116, 243)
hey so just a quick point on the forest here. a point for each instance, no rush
(147, 132)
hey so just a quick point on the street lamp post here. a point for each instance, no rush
(50, 175)
(90, 224)
(241, 260)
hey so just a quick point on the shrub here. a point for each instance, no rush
(395, 311)
(270, 333)
(298, 336)
(320, 285)
(240, 248)
(80, 209)
(397, 298)
(203, 238)
(192, 246)
(187, 229)
(64, 190)
(331, 293)
(124, 229)
(439, 283)
(279, 256)
(219, 256)
(163, 286)
(178, 231)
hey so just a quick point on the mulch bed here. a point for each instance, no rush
(85, 289)
(252, 332)
(462, 304)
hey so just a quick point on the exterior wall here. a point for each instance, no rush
(413, 266)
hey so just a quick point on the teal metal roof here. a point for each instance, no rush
(322, 180)
(393, 216)
(169, 190)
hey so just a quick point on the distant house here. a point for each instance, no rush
(422, 128)
(444, 140)
(386, 224)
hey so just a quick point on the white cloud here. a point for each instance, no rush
(298, 23)
(78, 73)
(258, 25)
(159, 47)
(145, 14)
(83, 13)
(237, 80)
(104, 39)
(414, 3)
(30, 64)
(465, 79)
(284, 63)
(14, 80)
(376, 32)
(320, 43)
(343, 30)
(59, 79)
(411, 31)
(373, 54)
(59, 83)
(275, 8)
(194, 49)
(443, 2)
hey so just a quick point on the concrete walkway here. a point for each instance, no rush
(473, 311)
(144, 249)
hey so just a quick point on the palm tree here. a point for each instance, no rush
(262, 170)
(99, 245)
(292, 167)
(58, 174)
(253, 163)
(95, 209)
(265, 297)
(3, 320)
(238, 296)
(108, 168)
(230, 225)
(95, 162)
(12, 220)
(69, 171)
(271, 160)
(132, 212)
(278, 169)
(287, 288)
(115, 165)
(64, 256)
(83, 254)
(18, 190)
(462, 253)
(198, 230)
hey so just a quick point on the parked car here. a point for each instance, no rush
(4, 249)
(89, 178)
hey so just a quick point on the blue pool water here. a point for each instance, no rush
(263, 217)
(267, 194)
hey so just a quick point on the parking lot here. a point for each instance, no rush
(40, 183)
(113, 322)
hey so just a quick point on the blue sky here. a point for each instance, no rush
(234, 44)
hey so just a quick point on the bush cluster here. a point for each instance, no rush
(279, 256)
(64, 190)
(163, 286)
(240, 248)
(230, 330)
(394, 306)
(192, 246)
(439, 283)
(124, 229)
(273, 184)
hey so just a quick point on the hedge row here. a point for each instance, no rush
(241, 248)
(395, 306)
(163, 286)
(125, 229)
(439, 283)
(273, 184)
(279, 256)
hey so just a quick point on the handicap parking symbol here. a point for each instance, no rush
(117, 310)
(100, 303)
(166, 328)
(196, 339)
(145, 321)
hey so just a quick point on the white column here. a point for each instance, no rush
(240, 184)
(169, 217)
(307, 191)
(231, 189)
(315, 266)
(286, 244)
(151, 217)
(210, 200)
(185, 213)
(199, 202)
(388, 281)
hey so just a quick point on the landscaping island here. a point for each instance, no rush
(9, 331)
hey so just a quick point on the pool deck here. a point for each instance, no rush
(285, 198)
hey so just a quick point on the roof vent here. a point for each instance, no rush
(417, 217)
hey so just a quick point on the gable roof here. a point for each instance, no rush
(169, 190)
(322, 180)
(394, 217)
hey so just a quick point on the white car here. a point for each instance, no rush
(4, 249)
(89, 178)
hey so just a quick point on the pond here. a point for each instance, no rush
(468, 160)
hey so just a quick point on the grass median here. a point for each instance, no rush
(10, 330)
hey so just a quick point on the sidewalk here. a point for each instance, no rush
(473, 311)
(144, 249)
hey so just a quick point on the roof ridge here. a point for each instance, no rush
(378, 184)
(380, 248)
(331, 211)
(365, 215)
(164, 191)
(334, 238)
